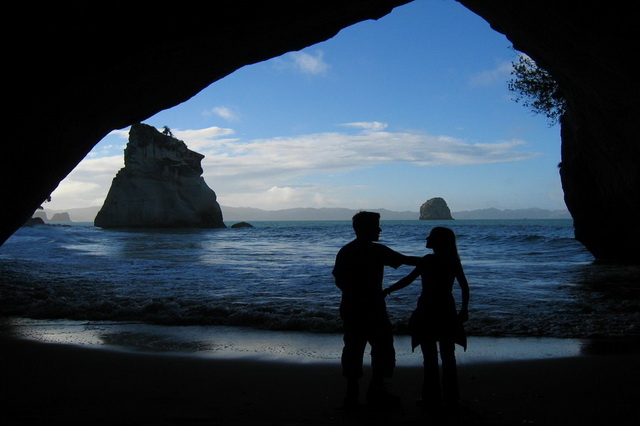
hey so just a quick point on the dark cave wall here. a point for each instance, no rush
(79, 71)
(587, 48)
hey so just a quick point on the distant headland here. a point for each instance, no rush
(237, 214)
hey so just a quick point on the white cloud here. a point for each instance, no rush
(223, 112)
(98, 166)
(208, 138)
(277, 172)
(330, 152)
(281, 197)
(88, 184)
(122, 133)
(310, 64)
(374, 126)
(306, 63)
(499, 74)
(71, 187)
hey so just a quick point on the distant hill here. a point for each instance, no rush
(326, 213)
(237, 214)
(532, 213)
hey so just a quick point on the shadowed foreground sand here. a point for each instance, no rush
(54, 384)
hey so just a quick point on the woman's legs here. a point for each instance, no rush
(435, 391)
(450, 391)
(431, 390)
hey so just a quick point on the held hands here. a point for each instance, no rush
(393, 287)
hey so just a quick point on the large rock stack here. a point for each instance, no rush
(160, 186)
(435, 209)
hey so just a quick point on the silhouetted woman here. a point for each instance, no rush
(435, 319)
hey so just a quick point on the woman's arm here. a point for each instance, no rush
(403, 282)
(464, 286)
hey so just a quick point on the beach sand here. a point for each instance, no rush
(69, 384)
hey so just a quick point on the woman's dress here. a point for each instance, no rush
(435, 317)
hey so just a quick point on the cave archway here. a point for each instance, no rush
(91, 79)
(432, 99)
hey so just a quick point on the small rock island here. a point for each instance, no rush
(160, 186)
(435, 209)
(61, 217)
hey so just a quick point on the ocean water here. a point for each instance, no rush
(528, 278)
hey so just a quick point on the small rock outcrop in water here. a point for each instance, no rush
(61, 217)
(160, 186)
(34, 221)
(40, 214)
(242, 225)
(435, 209)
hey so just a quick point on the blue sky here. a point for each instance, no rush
(386, 114)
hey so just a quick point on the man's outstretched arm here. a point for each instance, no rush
(411, 260)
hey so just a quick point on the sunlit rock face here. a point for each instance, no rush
(160, 186)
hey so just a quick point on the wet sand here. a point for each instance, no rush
(74, 384)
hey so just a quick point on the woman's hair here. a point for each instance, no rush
(445, 240)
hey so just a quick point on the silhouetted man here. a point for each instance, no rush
(359, 271)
